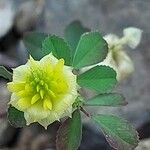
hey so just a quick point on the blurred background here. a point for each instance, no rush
(52, 16)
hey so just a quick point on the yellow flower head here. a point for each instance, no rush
(44, 90)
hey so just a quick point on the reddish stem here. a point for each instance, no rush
(85, 112)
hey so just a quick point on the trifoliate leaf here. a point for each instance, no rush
(91, 49)
(5, 73)
(59, 48)
(110, 99)
(33, 42)
(72, 34)
(99, 78)
(16, 117)
(69, 133)
(118, 132)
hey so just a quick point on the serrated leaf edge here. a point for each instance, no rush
(132, 127)
(85, 34)
(124, 104)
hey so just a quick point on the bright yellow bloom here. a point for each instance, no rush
(44, 90)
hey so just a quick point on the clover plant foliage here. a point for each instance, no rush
(50, 67)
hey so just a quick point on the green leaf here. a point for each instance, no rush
(59, 48)
(99, 78)
(16, 117)
(110, 99)
(69, 133)
(5, 73)
(118, 132)
(33, 42)
(72, 34)
(91, 49)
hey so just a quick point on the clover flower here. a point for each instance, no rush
(44, 90)
(117, 58)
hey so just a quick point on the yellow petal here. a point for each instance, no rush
(37, 112)
(37, 88)
(49, 58)
(46, 121)
(62, 87)
(23, 93)
(47, 104)
(52, 94)
(15, 87)
(20, 73)
(28, 88)
(35, 98)
(23, 103)
(42, 93)
(59, 67)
